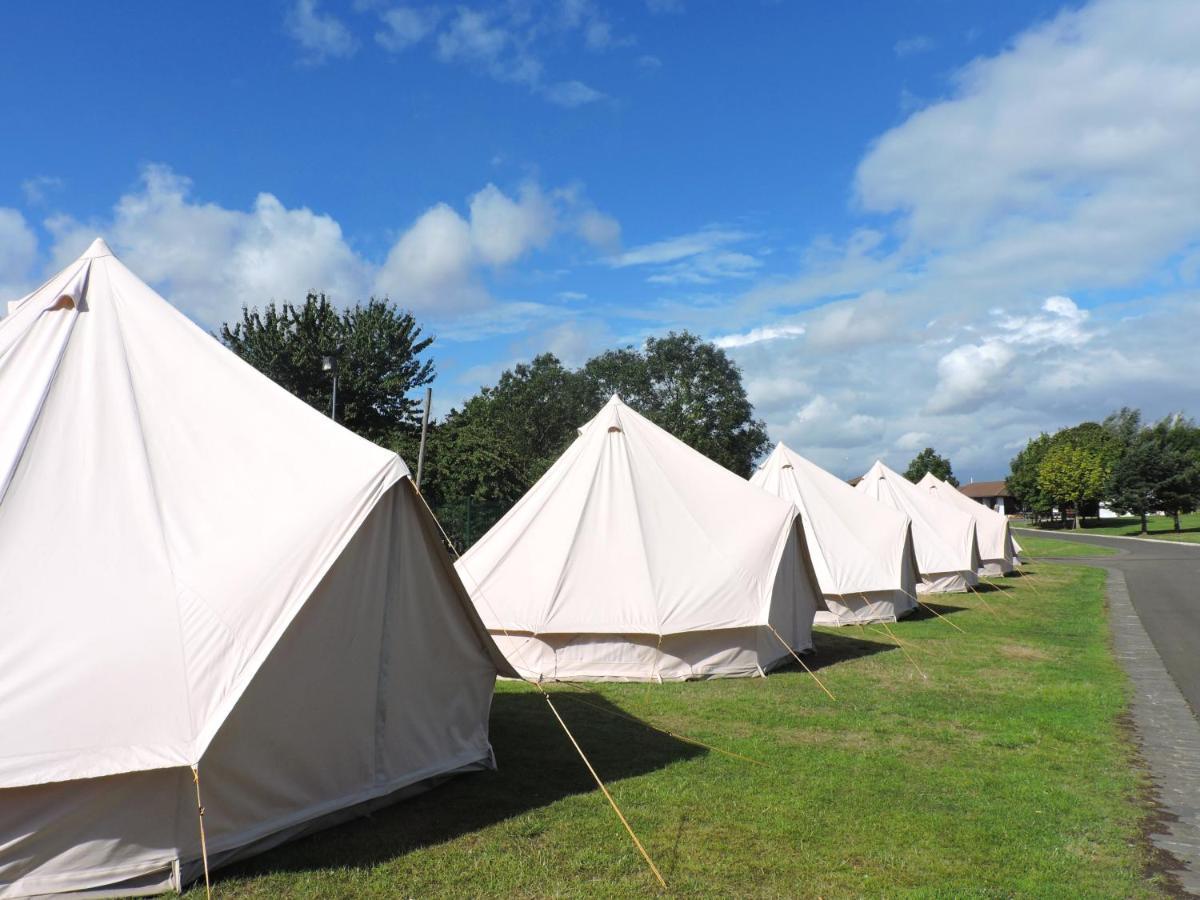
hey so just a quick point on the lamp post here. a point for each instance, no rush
(329, 363)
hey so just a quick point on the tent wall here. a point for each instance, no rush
(381, 682)
(873, 606)
(946, 582)
(716, 653)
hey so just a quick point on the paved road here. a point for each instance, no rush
(1164, 585)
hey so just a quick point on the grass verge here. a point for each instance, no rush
(1160, 528)
(1036, 547)
(1005, 772)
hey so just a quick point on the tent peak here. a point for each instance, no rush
(97, 249)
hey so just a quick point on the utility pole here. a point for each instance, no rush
(424, 430)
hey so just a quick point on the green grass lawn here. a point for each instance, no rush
(1158, 527)
(1006, 773)
(1035, 546)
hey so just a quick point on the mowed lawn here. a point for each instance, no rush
(1005, 772)
(1035, 547)
(1158, 527)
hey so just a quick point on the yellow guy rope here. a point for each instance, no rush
(574, 743)
(934, 611)
(898, 644)
(983, 600)
(203, 842)
(607, 795)
(796, 656)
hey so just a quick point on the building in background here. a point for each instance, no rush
(992, 494)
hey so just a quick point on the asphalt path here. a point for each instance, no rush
(1164, 585)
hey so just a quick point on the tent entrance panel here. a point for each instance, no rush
(995, 568)
(946, 582)
(873, 606)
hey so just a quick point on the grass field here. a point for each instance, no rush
(1035, 546)
(1005, 773)
(1159, 527)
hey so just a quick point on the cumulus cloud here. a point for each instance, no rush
(210, 260)
(969, 374)
(321, 35)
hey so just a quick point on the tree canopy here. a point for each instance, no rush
(929, 460)
(501, 440)
(378, 348)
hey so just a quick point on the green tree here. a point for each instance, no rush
(1179, 442)
(378, 348)
(1022, 480)
(1138, 476)
(1073, 474)
(928, 460)
(691, 388)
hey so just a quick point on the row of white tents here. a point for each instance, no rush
(213, 595)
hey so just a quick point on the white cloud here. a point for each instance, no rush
(571, 94)
(702, 257)
(503, 229)
(757, 335)
(38, 189)
(970, 374)
(911, 46)
(1063, 325)
(18, 253)
(322, 36)
(209, 260)
(404, 26)
(599, 230)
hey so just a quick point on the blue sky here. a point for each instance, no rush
(932, 222)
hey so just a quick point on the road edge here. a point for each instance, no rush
(1168, 734)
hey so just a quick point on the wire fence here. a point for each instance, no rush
(467, 520)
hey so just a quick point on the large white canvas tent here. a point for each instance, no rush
(198, 569)
(996, 549)
(943, 538)
(862, 550)
(636, 558)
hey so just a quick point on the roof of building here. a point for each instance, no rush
(977, 489)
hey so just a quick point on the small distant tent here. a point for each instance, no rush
(996, 545)
(944, 538)
(861, 550)
(197, 569)
(636, 558)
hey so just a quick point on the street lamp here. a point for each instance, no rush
(329, 363)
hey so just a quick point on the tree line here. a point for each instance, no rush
(491, 449)
(1137, 468)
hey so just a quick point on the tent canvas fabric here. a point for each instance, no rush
(943, 537)
(861, 549)
(636, 558)
(996, 546)
(199, 569)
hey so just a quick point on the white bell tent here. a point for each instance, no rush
(861, 550)
(943, 538)
(636, 558)
(996, 546)
(200, 570)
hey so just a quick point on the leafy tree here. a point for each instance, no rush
(1073, 474)
(1022, 481)
(378, 348)
(1139, 475)
(691, 388)
(1179, 442)
(532, 414)
(928, 460)
(504, 438)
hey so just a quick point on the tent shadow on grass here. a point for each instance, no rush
(922, 612)
(537, 767)
(832, 649)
